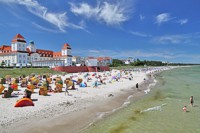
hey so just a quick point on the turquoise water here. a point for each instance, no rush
(161, 110)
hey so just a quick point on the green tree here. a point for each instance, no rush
(116, 63)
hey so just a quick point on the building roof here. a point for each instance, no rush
(5, 48)
(18, 38)
(107, 58)
(44, 53)
(103, 58)
(66, 46)
(57, 54)
(91, 58)
(100, 58)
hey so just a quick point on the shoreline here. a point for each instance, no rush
(80, 120)
(79, 113)
(130, 96)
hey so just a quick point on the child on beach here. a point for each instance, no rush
(184, 109)
(191, 101)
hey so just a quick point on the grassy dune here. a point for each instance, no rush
(16, 72)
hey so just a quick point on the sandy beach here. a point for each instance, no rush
(59, 112)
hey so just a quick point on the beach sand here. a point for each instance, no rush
(62, 113)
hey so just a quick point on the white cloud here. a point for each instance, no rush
(94, 51)
(109, 13)
(142, 17)
(178, 56)
(57, 19)
(182, 21)
(44, 28)
(140, 34)
(174, 39)
(177, 39)
(124, 53)
(84, 9)
(162, 18)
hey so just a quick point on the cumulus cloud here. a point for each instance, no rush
(109, 13)
(162, 18)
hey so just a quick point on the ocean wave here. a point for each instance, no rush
(156, 108)
(100, 115)
(150, 86)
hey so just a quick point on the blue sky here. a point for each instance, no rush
(145, 29)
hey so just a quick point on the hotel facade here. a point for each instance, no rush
(21, 54)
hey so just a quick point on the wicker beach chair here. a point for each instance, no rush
(31, 87)
(24, 82)
(7, 93)
(28, 93)
(1, 88)
(43, 89)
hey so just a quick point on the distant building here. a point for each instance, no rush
(18, 54)
(91, 61)
(99, 61)
(76, 60)
(128, 61)
(104, 61)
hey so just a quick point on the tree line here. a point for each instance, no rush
(138, 62)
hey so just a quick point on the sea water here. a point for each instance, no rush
(160, 111)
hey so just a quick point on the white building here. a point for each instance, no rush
(128, 61)
(76, 60)
(100, 61)
(18, 54)
(90, 61)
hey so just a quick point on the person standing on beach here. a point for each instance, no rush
(136, 85)
(191, 101)
(66, 90)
